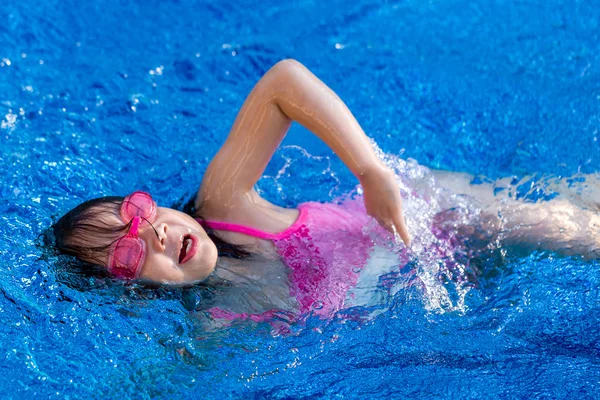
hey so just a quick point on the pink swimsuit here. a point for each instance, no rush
(325, 249)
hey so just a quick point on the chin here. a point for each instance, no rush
(203, 271)
(212, 259)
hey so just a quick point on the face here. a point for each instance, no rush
(178, 252)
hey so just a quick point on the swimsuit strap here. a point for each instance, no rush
(247, 230)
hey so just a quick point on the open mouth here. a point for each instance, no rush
(189, 246)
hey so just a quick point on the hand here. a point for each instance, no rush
(382, 200)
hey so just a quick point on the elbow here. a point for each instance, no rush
(282, 76)
(287, 64)
(286, 68)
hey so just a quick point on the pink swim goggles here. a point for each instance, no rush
(127, 255)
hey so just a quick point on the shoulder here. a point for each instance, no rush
(249, 210)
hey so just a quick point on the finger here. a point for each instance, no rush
(397, 228)
(400, 226)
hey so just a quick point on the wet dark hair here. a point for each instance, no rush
(73, 230)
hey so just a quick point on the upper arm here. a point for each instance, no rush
(257, 131)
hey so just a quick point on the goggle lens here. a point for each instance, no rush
(138, 204)
(127, 256)
(128, 252)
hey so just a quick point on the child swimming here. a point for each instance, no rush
(323, 246)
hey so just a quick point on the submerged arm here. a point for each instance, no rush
(555, 225)
(568, 225)
(290, 92)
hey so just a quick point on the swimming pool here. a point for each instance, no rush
(113, 96)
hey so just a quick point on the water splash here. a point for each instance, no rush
(443, 276)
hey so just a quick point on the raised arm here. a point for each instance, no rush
(290, 92)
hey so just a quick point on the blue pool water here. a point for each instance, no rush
(102, 97)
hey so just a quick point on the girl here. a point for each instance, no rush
(323, 246)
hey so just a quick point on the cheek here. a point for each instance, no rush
(159, 268)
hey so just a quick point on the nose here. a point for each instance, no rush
(161, 230)
(156, 236)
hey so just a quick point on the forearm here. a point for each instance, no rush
(302, 97)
